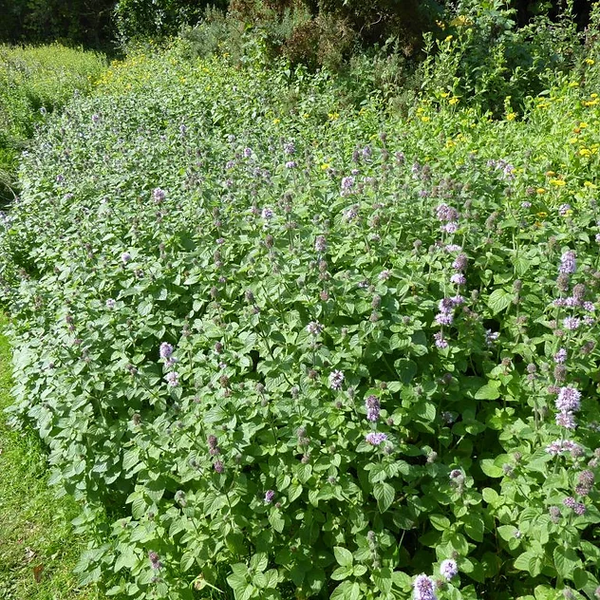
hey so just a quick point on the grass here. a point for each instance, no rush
(38, 550)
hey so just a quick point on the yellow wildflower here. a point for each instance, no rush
(511, 116)
(542, 215)
(584, 152)
(276, 121)
(449, 38)
(453, 101)
(558, 182)
(574, 84)
(589, 61)
(589, 184)
(425, 119)
(325, 166)
(541, 191)
(333, 116)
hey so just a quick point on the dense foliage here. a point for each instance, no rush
(35, 81)
(298, 344)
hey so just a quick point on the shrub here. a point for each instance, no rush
(138, 19)
(486, 58)
(295, 345)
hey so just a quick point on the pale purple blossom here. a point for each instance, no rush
(375, 438)
(568, 262)
(458, 279)
(566, 419)
(564, 209)
(460, 262)
(172, 378)
(111, 303)
(320, 243)
(451, 227)
(166, 350)
(347, 185)
(577, 507)
(571, 323)
(269, 495)
(453, 248)
(491, 336)
(158, 194)
(440, 341)
(424, 588)
(336, 378)
(125, 257)
(569, 399)
(445, 213)
(561, 356)
(266, 214)
(449, 569)
(373, 408)
(314, 328)
(290, 164)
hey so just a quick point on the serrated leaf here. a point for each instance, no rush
(489, 391)
(499, 300)
(384, 494)
(565, 561)
(343, 556)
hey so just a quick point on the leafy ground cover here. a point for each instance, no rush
(38, 550)
(34, 81)
(299, 345)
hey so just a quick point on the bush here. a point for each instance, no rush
(295, 345)
(485, 57)
(138, 19)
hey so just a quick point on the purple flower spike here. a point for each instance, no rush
(375, 439)
(449, 569)
(568, 262)
(424, 588)
(336, 378)
(373, 407)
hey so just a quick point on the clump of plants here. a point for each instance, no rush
(35, 81)
(298, 348)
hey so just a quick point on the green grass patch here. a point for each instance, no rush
(37, 548)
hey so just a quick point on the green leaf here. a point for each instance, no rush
(383, 579)
(490, 496)
(346, 591)
(499, 300)
(474, 526)
(565, 561)
(343, 556)
(489, 391)
(384, 494)
(341, 573)
(490, 469)
(259, 562)
(276, 520)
